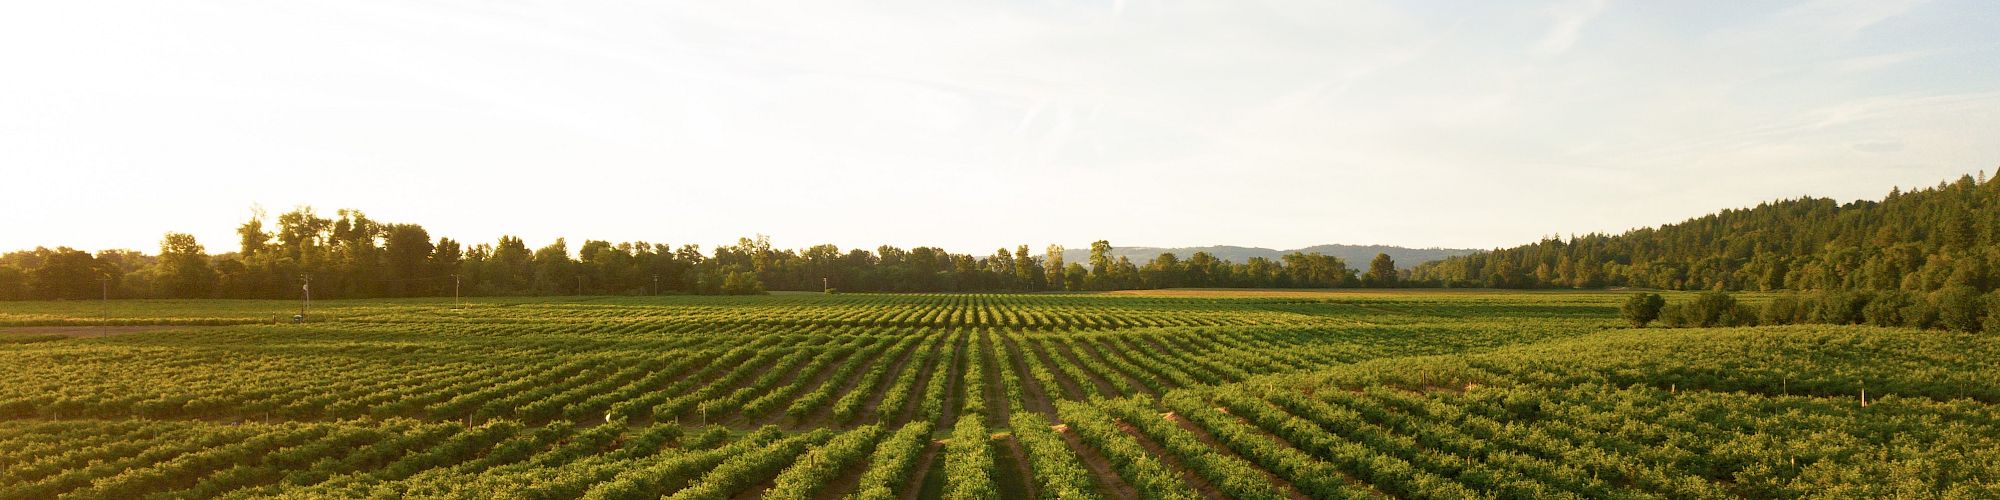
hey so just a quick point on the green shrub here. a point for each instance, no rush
(1643, 308)
(1993, 312)
(968, 461)
(1674, 315)
(1842, 307)
(1958, 308)
(1921, 313)
(1886, 309)
(1781, 310)
(1717, 309)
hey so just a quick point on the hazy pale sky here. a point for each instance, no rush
(973, 125)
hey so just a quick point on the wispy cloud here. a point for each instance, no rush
(1294, 114)
(1845, 18)
(1567, 24)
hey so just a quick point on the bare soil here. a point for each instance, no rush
(1108, 481)
(921, 481)
(999, 405)
(1014, 478)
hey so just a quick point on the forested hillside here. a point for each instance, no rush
(1924, 240)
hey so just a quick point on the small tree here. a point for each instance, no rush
(1381, 272)
(742, 283)
(1643, 308)
(183, 267)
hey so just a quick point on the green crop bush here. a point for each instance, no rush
(1642, 308)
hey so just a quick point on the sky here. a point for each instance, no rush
(976, 125)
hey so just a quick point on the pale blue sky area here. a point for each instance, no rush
(975, 125)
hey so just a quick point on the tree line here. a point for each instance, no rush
(1919, 242)
(350, 255)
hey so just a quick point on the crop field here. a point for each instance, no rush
(1154, 395)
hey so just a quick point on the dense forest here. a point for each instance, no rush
(1924, 259)
(352, 256)
(1924, 240)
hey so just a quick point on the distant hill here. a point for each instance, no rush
(1357, 256)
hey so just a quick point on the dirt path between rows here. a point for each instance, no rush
(1108, 481)
(923, 471)
(1036, 397)
(954, 382)
(1015, 478)
(999, 404)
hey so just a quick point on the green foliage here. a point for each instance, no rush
(1785, 308)
(1992, 324)
(1709, 309)
(357, 257)
(1350, 395)
(742, 283)
(1381, 272)
(968, 461)
(1059, 474)
(893, 460)
(742, 471)
(1233, 476)
(183, 267)
(1139, 468)
(1642, 308)
(1959, 308)
(1884, 309)
(818, 468)
(1917, 241)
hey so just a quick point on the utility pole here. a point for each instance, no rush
(656, 284)
(104, 283)
(305, 295)
(579, 284)
(455, 304)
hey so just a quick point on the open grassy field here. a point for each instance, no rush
(1163, 394)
